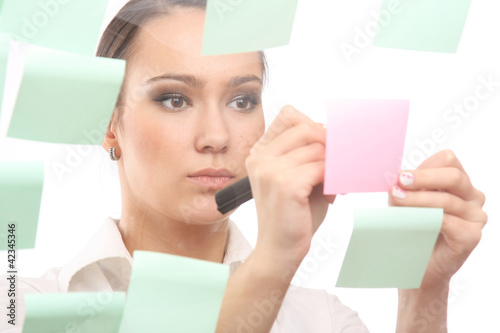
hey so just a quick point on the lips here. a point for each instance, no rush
(212, 178)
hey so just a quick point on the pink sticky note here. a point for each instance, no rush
(365, 142)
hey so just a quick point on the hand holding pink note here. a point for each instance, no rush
(365, 142)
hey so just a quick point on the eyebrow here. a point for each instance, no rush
(187, 79)
(199, 83)
(239, 80)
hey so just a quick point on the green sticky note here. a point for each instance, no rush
(66, 98)
(246, 26)
(423, 25)
(4, 55)
(169, 293)
(21, 185)
(69, 25)
(390, 247)
(74, 312)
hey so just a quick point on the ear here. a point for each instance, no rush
(111, 138)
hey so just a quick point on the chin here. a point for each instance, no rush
(201, 215)
(197, 208)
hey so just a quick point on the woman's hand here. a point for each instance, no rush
(286, 171)
(440, 182)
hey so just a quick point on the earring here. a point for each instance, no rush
(112, 154)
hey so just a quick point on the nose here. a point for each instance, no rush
(212, 130)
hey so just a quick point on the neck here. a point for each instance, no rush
(144, 232)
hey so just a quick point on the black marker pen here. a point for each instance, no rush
(233, 196)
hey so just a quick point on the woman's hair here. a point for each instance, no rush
(118, 39)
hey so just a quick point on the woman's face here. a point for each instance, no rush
(188, 121)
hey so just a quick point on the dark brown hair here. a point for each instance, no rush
(118, 39)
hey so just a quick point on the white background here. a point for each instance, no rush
(305, 73)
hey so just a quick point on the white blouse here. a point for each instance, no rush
(105, 265)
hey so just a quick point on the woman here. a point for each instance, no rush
(186, 126)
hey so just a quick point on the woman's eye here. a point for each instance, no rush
(242, 103)
(176, 102)
(172, 101)
(245, 103)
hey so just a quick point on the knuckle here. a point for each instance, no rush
(484, 217)
(448, 156)
(475, 237)
(482, 197)
(467, 235)
(319, 150)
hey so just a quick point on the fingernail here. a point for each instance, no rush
(320, 125)
(406, 178)
(398, 192)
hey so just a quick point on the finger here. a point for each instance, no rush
(448, 158)
(297, 183)
(290, 180)
(460, 234)
(461, 237)
(447, 179)
(330, 198)
(306, 154)
(298, 136)
(451, 204)
(287, 118)
(313, 173)
(444, 158)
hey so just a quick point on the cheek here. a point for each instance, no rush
(247, 135)
(252, 131)
(153, 142)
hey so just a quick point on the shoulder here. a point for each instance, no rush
(311, 310)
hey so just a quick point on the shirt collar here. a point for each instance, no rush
(108, 243)
(238, 248)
